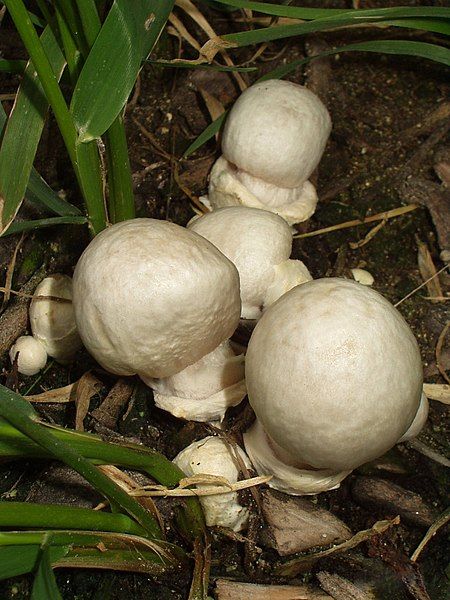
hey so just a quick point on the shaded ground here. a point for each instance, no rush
(382, 134)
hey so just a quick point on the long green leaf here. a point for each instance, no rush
(400, 47)
(19, 226)
(299, 12)
(39, 192)
(44, 584)
(127, 35)
(23, 131)
(267, 34)
(12, 66)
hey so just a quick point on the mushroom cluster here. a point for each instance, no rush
(273, 140)
(54, 332)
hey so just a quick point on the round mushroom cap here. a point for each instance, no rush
(31, 355)
(277, 131)
(151, 298)
(255, 241)
(53, 322)
(334, 374)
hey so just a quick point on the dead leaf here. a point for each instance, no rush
(428, 271)
(58, 395)
(88, 385)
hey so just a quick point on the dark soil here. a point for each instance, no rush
(375, 102)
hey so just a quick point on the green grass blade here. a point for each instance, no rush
(206, 67)
(18, 560)
(23, 131)
(40, 193)
(298, 12)
(14, 410)
(19, 226)
(206, 134)
(125, 38)
(13, 66)
(267, 34)
(120, 183)
(26, 515)
(44, 584)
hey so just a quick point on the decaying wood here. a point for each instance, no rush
(109, 410)
(235, 590)
(340, 588)
(14, 321)
(436, 199)
(296, 524)
(390, 498)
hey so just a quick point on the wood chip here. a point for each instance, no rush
(340, 588)
(390, 498)
(437, 391)
(296, 524)
(108, 412)
(235, 590)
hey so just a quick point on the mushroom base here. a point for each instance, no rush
(287, 478)
(419, 421)
(231, 187)
(203, 391)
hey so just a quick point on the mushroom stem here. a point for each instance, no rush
(289, 475)
(203, 391)
(419, 421)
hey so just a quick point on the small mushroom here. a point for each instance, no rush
(212, 456)
(152, 298)
(30, 353)
(334, 376)
(259, 244)
(53, 322)
(273, 140)
(362, 276)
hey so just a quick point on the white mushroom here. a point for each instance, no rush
(273, 140)
(334, 376)
(259, 243)
(53, 322)
(30, 353)
(212, 456)
(203, 391)
(362, 276)
(153, 298)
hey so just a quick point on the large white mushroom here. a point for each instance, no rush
(212, 456)
(334, 376)
(153, 298)
(273, 140)
(259, 243)
(52, 321)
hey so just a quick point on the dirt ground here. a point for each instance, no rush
(391, 119)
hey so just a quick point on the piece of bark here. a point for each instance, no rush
(340, 588)
(14, 321)
(436, 199)
(108, 412)
(392, 499)
(235, 590)
(296, 524)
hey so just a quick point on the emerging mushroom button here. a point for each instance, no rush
(152, 298)
(334, 376)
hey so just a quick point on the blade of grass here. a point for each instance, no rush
(124, 40)
(120, 184)
(30, 107)
(44, 584)
(13, 66)
(19, 226)
(299, 12)
(19, 560)
(39, 192)
(179, 64)
(24, 515)
(400, 47)
(18, 412)
(84, 159)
